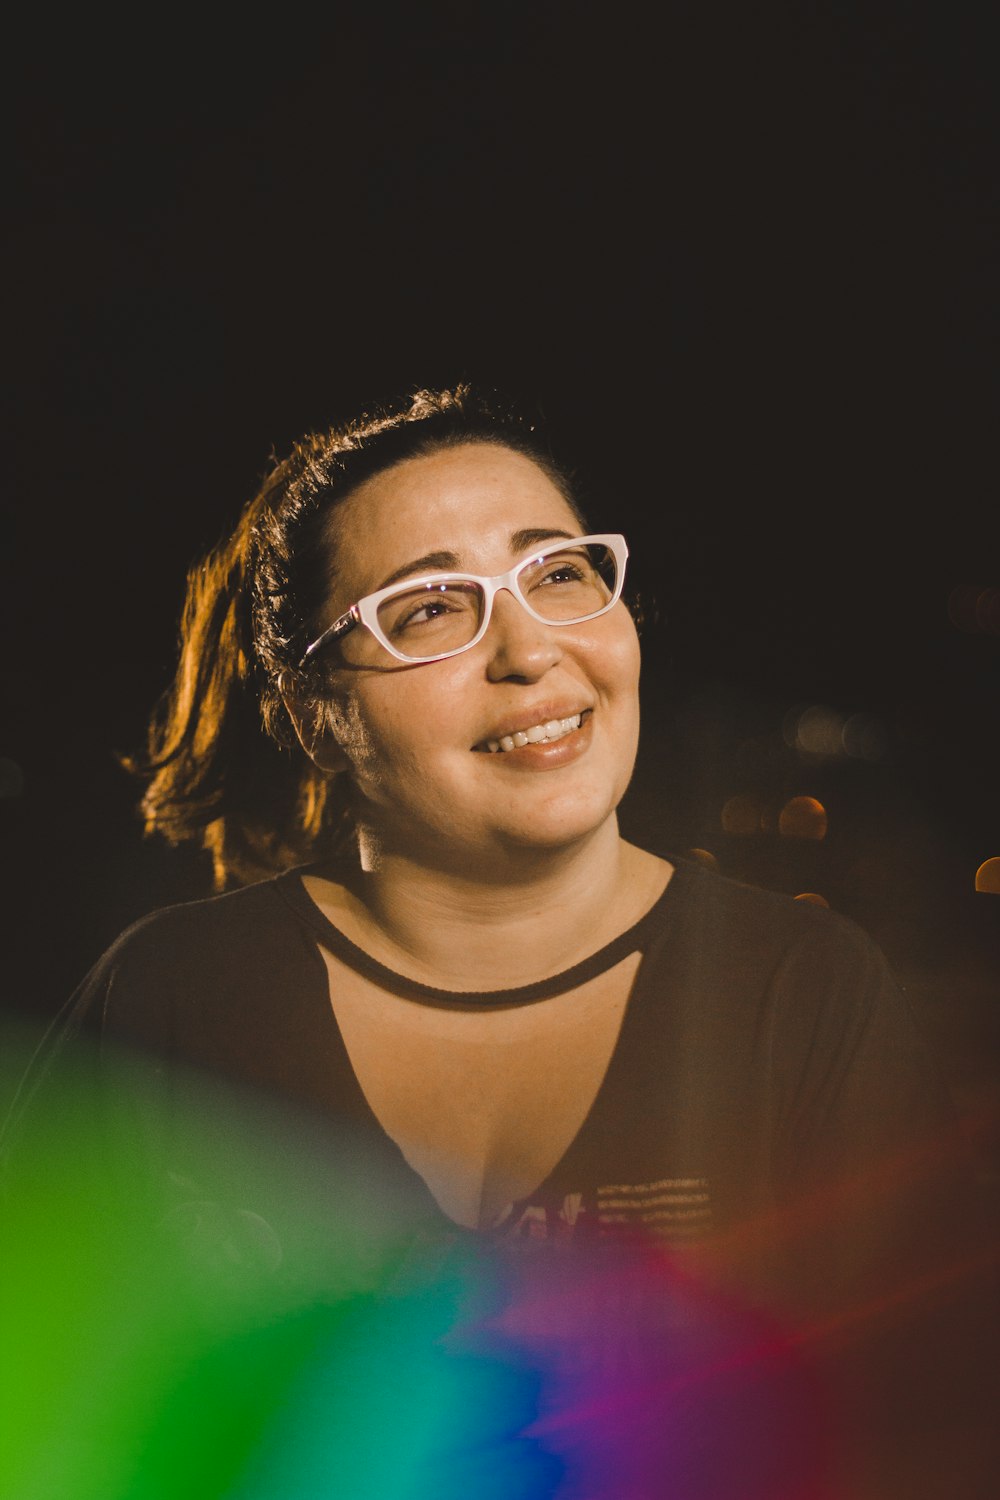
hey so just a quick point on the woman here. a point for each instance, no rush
(446, 1003)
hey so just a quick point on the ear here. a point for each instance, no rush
(313, 725)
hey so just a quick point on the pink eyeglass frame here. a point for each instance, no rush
(365, 611)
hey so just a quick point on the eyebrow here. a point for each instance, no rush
(439, 562)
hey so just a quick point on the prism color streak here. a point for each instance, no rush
(390, 1364)
(435, 1383)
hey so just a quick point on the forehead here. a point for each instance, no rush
(467, 500)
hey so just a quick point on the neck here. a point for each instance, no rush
(504, 920)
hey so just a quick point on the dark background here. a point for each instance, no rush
(743, 258)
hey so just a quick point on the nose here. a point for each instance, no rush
(519, 646)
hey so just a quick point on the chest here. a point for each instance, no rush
(482, 1105)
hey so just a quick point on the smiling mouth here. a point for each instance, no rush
(535, 734)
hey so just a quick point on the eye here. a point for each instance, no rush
(432, 607)
(423, 614)
(561, 572)
(567, 585)
(566, 570)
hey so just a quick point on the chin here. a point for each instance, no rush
(550, 834)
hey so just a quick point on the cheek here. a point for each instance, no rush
(355, 730)
(631, 657)
(615, 658)
(384, 736)
(347, 725)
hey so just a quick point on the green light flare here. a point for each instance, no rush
(130, 1373)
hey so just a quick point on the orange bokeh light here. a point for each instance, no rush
(742, 816)
(803, 818)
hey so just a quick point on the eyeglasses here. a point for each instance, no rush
(440, 614)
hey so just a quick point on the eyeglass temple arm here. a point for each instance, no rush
(333, 632)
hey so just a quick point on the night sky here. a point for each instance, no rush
(744, 260)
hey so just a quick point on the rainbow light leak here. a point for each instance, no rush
(394, 1368)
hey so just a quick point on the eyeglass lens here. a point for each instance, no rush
(564, 585)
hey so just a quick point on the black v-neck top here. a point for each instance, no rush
(769, 1126)
(765, 1051)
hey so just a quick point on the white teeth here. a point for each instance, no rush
(537, 734)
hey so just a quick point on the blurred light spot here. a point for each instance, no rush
(803, 818)
(814, 897)
(11, 778)
(975, 609)
(790, 725)
(864, 738)
(820, 731)
(704, 857)
(988, 877)
(742, 816)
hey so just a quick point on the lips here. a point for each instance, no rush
(547, 729)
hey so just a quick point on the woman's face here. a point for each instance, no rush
(415, 738)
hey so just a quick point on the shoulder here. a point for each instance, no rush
(741, 958)
(809, 994)
(195, 930)
(760, 926)
(159, 967)
(181, 963)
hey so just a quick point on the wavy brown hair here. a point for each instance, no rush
(222, 764)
